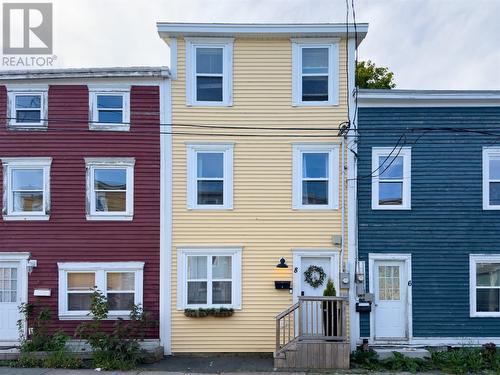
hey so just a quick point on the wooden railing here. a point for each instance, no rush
(312, 318)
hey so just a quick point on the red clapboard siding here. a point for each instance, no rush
(68, 236)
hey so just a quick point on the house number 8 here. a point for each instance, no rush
(295, 270)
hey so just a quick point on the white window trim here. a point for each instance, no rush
(192, 189)
(12, 92)
(405, 152)
(94, 123)
(118, 163)
(25, 163)
(227, 70)
(100, 270)
(473, 260)
(488, 152)
(236, 267)
(333, 175)
(333, 70)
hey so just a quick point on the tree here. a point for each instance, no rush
(369, 76)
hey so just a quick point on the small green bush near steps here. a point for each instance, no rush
(485, 360)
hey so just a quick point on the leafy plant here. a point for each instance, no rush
(40, 338)
(365, 359)
(400, 362)
(330, 289)
(118, 349)
(201, 313)
(62, 359)
(370, 76)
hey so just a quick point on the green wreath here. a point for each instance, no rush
(315, 276)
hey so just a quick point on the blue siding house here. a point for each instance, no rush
(428, 217)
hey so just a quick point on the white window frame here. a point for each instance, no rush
(9, 164)
(333, 70)
(227, 70)
(100, 270)
(109, 163)
(236, 268)
(94, 123)
(488, 153)
(332, 150)
(192, 187)
(473, 260)
(13, 92)
(404, 152)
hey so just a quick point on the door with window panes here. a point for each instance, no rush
(10, 299)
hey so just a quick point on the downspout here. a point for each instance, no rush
(342, 226)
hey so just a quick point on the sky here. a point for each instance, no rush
(428, 44)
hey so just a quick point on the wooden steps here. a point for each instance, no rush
(310, 354)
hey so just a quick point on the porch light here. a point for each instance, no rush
(282, 264)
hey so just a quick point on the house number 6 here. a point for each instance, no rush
(410, 283)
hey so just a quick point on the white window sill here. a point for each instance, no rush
(26, 217)
(109, 127)
(491, 208)
(316, 104)
(485, 315)
(209, 104)
(27, 126)
(213, 208)
(196, 307)
(315, 208)
(110, 217)
(390, 208)
(88, 317)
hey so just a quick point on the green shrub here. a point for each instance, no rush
(27, 359)
(118, 349)
(62, 359)
(400, 362)
(330, 289)
(365, 359)
(40, 339)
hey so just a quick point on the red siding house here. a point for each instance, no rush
(80, 154)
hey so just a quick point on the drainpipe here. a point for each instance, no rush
(342, 264)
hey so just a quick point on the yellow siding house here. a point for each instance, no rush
(259, 177)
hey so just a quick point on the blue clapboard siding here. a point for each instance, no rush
(446, 222)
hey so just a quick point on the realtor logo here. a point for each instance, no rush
(27, 28)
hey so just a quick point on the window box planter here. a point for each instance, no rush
(202, 313)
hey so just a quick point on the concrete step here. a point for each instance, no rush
(386, 352)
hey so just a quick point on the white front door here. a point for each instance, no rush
(10, 299)
(390, 286)
(312, 310)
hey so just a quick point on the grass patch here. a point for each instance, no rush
(485, 360)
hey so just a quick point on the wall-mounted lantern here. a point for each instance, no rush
(282, 284)
(282, 263)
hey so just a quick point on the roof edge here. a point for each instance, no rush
(427, 98)
(160, 72)
(173, 29)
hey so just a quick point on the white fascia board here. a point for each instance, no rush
(428, 98)
(169, 30)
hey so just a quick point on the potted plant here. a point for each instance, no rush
(330, 310)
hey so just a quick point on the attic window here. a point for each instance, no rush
(110, 110)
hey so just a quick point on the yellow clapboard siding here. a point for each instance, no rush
(262, 219)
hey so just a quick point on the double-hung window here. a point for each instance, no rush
(391, 178)
(109, 109)
(110, 188)
(315, 176)
(491, 178)
(209, 71)
(27, 109)
(484, 285)
(209, 278)
(120, 282)
(315, 72)
(27, 188)
(210, 176)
